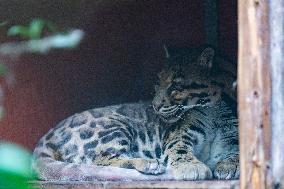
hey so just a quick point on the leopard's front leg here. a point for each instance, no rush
(145, 166)
(182, 163)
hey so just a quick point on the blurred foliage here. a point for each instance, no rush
(40, 36)
(15, 161)
(4, 23)
(3, 74)
(15, 167)
(3, 70)
(34, 30)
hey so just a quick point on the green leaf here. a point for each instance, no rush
(15, 160)
(8, 180)
(35, 28)
(15, 167)
(21, 31)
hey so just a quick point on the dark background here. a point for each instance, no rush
(117, 61)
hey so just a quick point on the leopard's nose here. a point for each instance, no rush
(157, 105)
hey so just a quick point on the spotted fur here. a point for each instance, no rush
(188, 132)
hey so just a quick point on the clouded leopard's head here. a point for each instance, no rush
(185, 82)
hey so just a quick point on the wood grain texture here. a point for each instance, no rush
(254, 93)
(233, 184)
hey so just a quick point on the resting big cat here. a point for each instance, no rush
(188, 132)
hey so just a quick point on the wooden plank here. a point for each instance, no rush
(277, 70)
(254, 93)
(233, 184)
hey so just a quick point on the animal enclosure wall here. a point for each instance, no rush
(117, 61)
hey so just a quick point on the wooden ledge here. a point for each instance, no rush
(218, 184)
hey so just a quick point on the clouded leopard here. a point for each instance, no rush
(188, 131)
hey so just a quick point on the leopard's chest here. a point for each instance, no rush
(149, 142)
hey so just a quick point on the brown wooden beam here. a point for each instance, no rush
(254, 90)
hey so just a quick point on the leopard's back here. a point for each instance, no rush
(74, 139)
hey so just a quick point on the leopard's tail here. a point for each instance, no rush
(49, 168)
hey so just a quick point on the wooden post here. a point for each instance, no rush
(277, 71)
(254, 93)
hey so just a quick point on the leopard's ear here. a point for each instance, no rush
(206, 57)
(166, 51)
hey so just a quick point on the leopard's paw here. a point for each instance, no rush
(194, 170)
(227, 169)
(152, 167)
